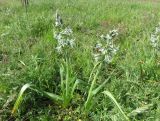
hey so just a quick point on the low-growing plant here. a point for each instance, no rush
(102, 53)
(67, 88)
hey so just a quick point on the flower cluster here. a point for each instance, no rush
(63, 36)
(110, 36)
(154, 40)
(105, 50)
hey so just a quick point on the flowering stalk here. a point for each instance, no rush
(64, 37)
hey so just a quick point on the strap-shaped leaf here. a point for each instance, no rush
(74, 87)
(94, 92)
(140, 110)
(52, 96)
(116, 104)
(90, 93)
(33, 88)
(20, 97)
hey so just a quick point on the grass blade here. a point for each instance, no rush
(116, 104)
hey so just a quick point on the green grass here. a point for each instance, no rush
(28, 55)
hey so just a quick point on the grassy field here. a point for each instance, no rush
(102, 63)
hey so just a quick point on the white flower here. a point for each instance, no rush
(63, 42)
(102, 50)
(98, 45)
(157, 30)
(154, 40)
(67, 31)
(99, 48)
(96, 57)
(108, 58)
(59, 49)
(57, 36)
(113, 33)
(71, 42)
(102, 36)
(107, 37)
(114, 50)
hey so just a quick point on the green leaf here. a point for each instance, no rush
(33, 88)
(52, 96)
(102, 85)
(74, 87)
(61, 74)
(116, 104)
(140, 110)
(94, 92)
(90, 77)
(20, 97)
(90, 93)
